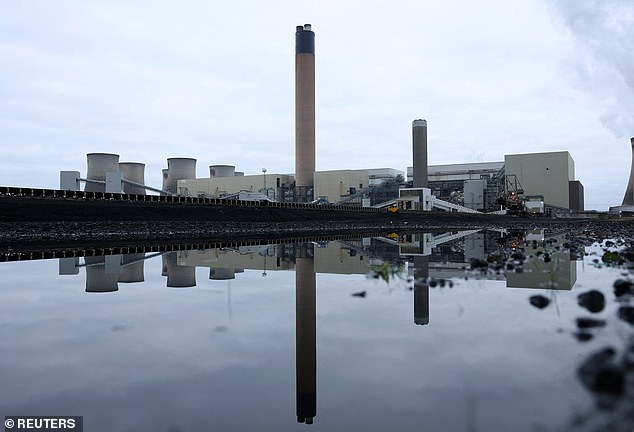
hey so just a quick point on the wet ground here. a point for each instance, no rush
(443, 329)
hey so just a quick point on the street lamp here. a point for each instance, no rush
(265, 190)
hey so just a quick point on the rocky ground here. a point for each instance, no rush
(59, 234)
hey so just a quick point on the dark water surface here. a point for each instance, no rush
(270, 338)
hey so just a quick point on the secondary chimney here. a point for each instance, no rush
(419, 139)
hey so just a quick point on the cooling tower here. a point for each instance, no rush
(239, 174)
(179, 169)
(220, 273)
(628, 200)
(222, 170)
(419, 140)
(133, 171)
(132, 269)
(304, 107)
(178, 276)
(97, 280)
(98, 165)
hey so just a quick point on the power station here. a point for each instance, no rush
(546, 180)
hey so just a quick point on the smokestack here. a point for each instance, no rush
(98, 164)
(419, 139)
(304, 107)
(628, 200)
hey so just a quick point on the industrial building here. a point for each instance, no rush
(549, 177)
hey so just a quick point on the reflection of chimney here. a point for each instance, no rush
(97, 280)
(305, 337)
(304, 106)
(628, 200)
(419, 135)
(421, 290)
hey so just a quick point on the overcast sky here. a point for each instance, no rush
(214, 80)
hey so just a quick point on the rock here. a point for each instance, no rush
(611, 258)
(583, 336)
(584, 323)
(539, 301)
(626, 313)
(599, 373)
(623, 287)
(593, 301)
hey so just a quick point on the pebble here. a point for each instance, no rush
(593, 301)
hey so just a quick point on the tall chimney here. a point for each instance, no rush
(419, 139)
(628, 200)
(304, 107)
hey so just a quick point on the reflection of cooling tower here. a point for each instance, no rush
(304, 106)
(133, 171)
(164, 171)
(421, 290)
(222, 170)
(131, 273)
(217, 273)
(178, 276)
(419, 140)
(628, 200)
(239, 174)
(306, 339)
(179, 169)
(98, 165)
(96, 278)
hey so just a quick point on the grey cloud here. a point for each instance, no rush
(606, 30)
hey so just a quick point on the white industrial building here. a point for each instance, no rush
(551, 175)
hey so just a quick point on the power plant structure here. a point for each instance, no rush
(419, 145)
(304, 112)
(628, 199)
(471, 187)
(98, 164)
(179, 169)
(133, 172)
